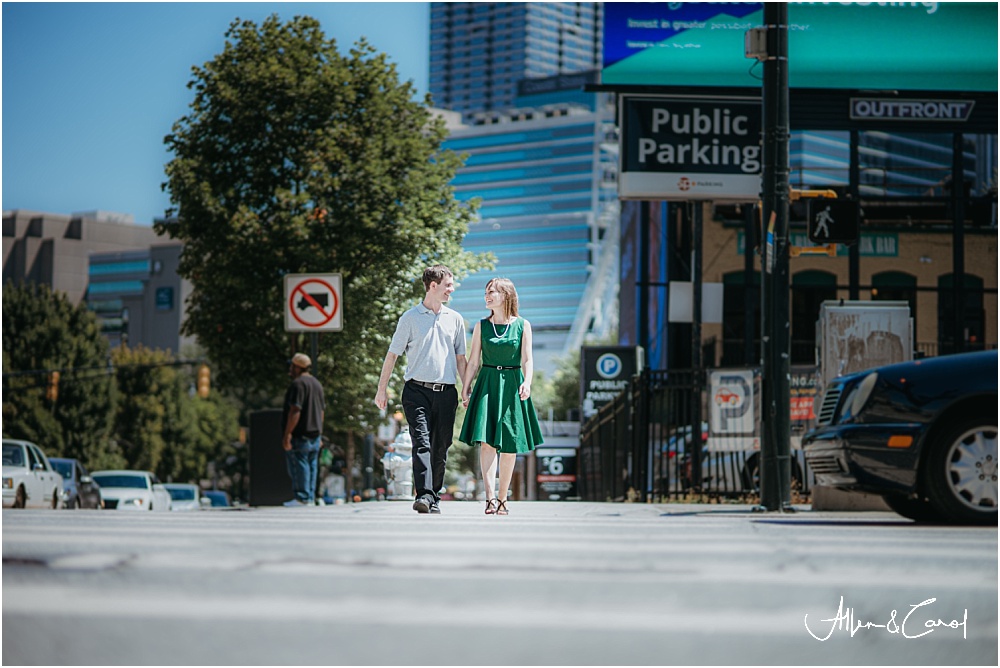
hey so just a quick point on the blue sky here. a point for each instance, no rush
(91, 89)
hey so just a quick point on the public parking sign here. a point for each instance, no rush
(313, 303)
(690, 149)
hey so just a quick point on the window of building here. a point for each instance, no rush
(737, 317)
(809, 290)
(897, 286)
(973, 317)
(75, 229)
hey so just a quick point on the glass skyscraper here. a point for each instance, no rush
(540, 156)
(479, 51)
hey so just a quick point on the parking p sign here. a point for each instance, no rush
(604, 372)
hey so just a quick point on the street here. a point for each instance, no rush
(552, 583)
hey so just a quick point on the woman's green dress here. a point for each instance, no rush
(496, 414)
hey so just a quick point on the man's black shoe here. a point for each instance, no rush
(422, 505)
(435, 508)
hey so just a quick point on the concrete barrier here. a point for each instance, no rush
(831, 498)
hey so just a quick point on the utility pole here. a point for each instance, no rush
(775, 470)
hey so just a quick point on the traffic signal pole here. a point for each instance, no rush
(775, 469)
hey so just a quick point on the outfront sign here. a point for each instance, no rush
(895, 109)
(682, 148)
(313, 303)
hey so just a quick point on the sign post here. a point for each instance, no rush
(314, 303)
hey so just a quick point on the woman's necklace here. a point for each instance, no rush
(495, 333)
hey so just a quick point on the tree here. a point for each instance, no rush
(295, 159)
(148, 388)
(42, 332)
(201, 431)
(162, 425)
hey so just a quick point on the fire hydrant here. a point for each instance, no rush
(398, 465)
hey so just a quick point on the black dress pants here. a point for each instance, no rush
(431, 419)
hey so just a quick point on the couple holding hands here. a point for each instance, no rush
(500, 414)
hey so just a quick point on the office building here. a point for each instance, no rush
(541, 158)
(55, 249)
(549, 213)
(139, 297)
(106, 260)
(479, 51)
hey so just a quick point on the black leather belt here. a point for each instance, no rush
(434, 387)
(490, 366)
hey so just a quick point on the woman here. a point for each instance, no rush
(500, 414)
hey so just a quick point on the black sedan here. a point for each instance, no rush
(922, 434)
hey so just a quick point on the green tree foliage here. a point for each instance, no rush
(161, 424)
(43, 331)
(566, 386)
(148, 400)
(296, 159)
(201, 431)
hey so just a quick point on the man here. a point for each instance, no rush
(433, 338)
(303, 415)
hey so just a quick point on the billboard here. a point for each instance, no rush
(946, 46)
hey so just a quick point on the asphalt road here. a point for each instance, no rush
(552, 583)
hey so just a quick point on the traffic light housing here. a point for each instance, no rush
(204, 381)
(52, 387)
(834, 221)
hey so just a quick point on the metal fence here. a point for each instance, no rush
(651, 444)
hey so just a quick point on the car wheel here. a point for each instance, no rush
(918, 510)
(960, 472)
(20, 499)
(55, 500)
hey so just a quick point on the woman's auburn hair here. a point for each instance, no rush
(506, 287)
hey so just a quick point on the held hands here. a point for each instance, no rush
(466, 393)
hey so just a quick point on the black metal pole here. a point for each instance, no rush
(958, 243)
(750, 235)
(643, 336)
(854, 191)
(775, 477)
(696, 209)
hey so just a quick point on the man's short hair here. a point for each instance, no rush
(436, 274)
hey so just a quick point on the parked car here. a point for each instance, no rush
(922, 434)
(721, 471)
(216, 498)
(183, 496)
(79, 489)
(132, 490)
(29, 481)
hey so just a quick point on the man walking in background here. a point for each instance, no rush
(302, 418)
(433, 338)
